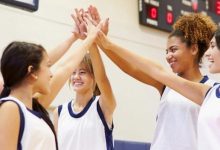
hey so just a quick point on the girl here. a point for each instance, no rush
(86, 122)
(209, 116)
(177, 116)
(25, 71)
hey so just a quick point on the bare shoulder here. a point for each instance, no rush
(9, 108)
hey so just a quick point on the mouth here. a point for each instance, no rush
(172, 64)
(77, 83)
(210, 62)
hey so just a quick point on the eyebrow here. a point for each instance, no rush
(171, 47)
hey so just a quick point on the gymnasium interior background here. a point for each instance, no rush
(137, 103)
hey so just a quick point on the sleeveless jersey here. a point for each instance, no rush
(86, 130)
(177, 121)
(34, 133)
(209, 121)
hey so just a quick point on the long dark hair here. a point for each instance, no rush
(16, 59)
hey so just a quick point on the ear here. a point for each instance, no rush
(194, 49)
(30, 72)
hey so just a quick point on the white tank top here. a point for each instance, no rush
(34, 133)
(177, 121)
(86, 130)
(209, 121)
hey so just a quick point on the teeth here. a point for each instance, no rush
(78, 84)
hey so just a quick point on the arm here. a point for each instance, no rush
(61, 49)
(128, 62)
(120, 55)
(67, 66)
(107, 99)
(194, 91)
(9, 125)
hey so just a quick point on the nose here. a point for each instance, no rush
(76, 76)
(169, 55)
(207, 53)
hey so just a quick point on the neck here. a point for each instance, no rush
(192, 74)
(23, 93)
(83, 99)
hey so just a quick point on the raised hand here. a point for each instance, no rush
(93, 12)
(80, 26)
(102, 40)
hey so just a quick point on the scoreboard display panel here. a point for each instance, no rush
(30, 5)
(161, 14)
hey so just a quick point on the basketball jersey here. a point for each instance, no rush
(34, 133)
(177, 117)
(209, 121)
(86, 130)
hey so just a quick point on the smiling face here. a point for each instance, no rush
(178, 55)
(82, 80)
(213, 56)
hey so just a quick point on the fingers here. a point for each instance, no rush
(79, 14)
(94, 14)
(75, 20)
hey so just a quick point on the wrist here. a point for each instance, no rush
(73, 38)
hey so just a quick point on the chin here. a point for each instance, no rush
(213, 71)
(45, 91)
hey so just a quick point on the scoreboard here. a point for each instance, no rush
(161, 14)
(30, 5)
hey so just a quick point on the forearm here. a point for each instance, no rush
(63, 71)
(107, 100)
(131, 64)
(61, 49)
(97, 63)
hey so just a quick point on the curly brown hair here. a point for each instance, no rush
(195, 28)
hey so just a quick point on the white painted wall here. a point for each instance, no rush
(134, 118)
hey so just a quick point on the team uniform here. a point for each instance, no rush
(86, 130)
(34, 133)
(177, 121)
(209, 121)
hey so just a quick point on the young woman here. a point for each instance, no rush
(201, 94)
(86, 121)
(177, 116)
(25, 71)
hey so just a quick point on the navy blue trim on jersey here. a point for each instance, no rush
(204, 79)
(59, 109)
(78, 115)
(22, 123)
(211, 88)
(218, 91)
(164, 87)
(36, 113)
(108, 132)
(208, 91)
(216, 83)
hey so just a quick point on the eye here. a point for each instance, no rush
(173, 49)
(212, 46)
(82, 72)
